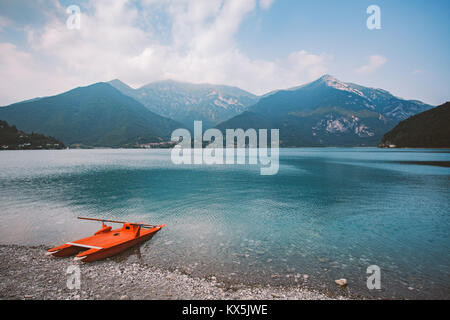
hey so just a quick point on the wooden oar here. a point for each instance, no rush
(144, 225)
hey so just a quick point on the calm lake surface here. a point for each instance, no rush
(329, 213)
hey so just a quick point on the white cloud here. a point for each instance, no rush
(24, 77)
(314, 65)
(265, 4)
(116, 40)
(4, 22)
(374, 62)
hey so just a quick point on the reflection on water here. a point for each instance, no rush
(428, 163)
(328, 213)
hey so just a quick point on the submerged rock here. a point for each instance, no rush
(341, 282)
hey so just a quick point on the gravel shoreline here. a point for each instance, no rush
(26, 273)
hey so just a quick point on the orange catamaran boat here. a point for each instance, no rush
(106, 242)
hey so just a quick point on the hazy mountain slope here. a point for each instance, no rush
(186, 102)
(96, 115)
(429, 129)
(390, 105)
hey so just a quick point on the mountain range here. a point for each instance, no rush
(186, 102)
(97, 115)
(325, 112)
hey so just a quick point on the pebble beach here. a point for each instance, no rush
(26, 273)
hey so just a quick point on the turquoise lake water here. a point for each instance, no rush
(329, 213)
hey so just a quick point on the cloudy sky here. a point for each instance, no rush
(257, 45)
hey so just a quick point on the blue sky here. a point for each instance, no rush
(414, 38)
(258, 45)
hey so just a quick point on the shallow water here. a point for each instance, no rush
(329, 213)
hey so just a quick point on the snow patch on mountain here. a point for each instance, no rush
(335, 83)
(332, 124)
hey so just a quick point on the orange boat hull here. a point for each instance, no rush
(105, 242)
